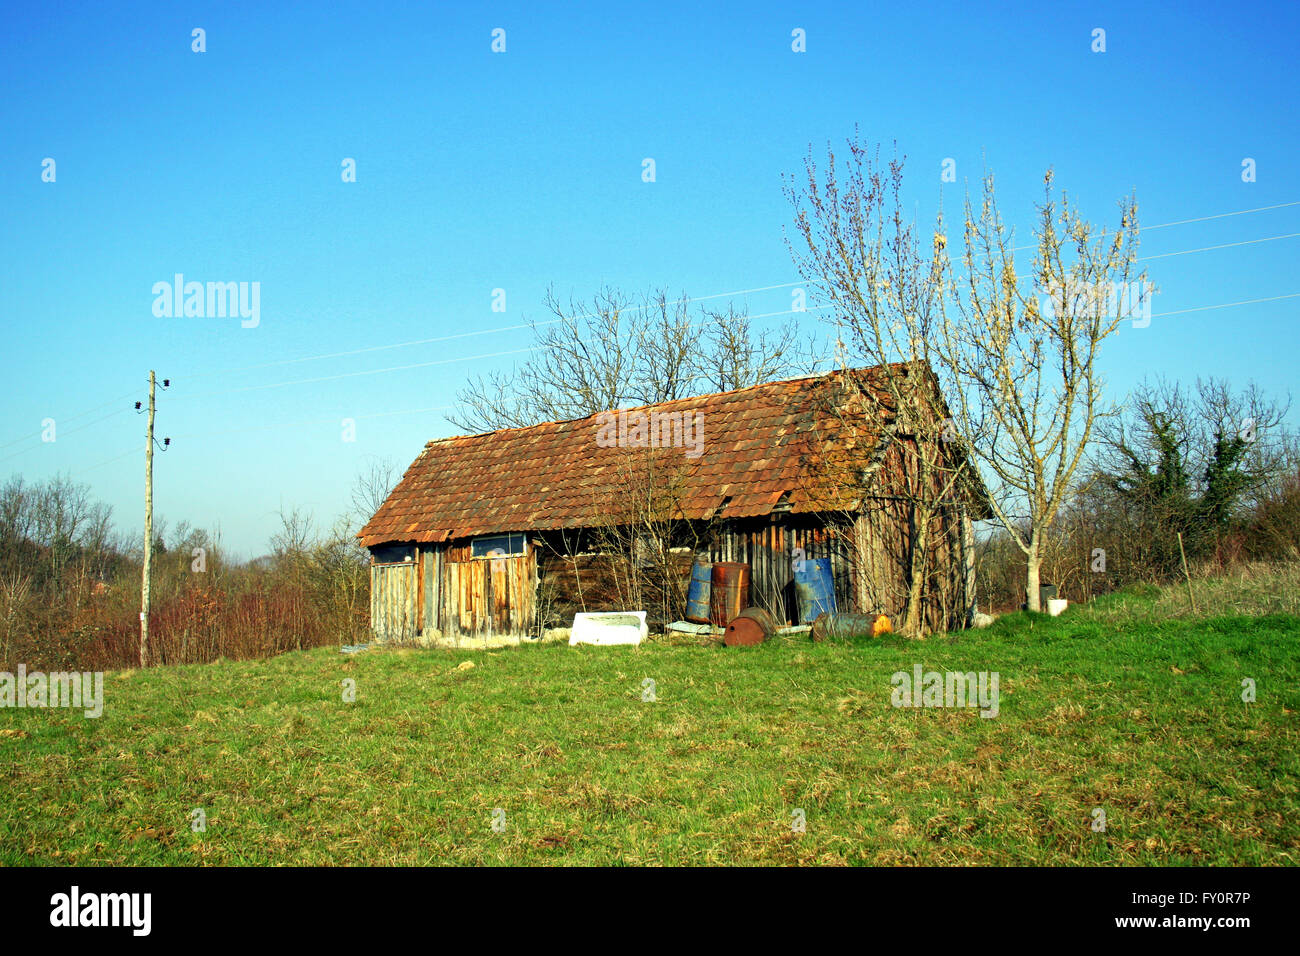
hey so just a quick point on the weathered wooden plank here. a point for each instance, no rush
(392, 601)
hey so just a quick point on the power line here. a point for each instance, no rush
(1201, 308)
(1030, 277)
(69, 418)
(1184, 222)
(1221, 215)
(704, 298)
(471, 358)
(398, 368)
(326, 378)
(465, 335)
(373, 371)
(1226, 245)
(372, 348)
(438, 408)
(814, 308)
(132, 451)
(318, 421)
(70, 431)
(1227, 305)
(635, 309)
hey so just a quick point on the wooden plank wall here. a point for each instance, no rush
(448, 591)
(453, 593)
(869, 561)
(767, 546)
(482, 596)
(392, 601)
(879, 555)
(432, 561)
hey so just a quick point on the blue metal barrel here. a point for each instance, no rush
(697, 597)
(815, 588)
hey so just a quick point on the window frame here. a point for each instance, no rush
(410, 556)
(509, 537)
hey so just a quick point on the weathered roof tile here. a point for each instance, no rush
(556, 475)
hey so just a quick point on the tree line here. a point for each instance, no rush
(70, 582)
(1087, 490)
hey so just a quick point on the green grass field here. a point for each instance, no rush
(1118, 706)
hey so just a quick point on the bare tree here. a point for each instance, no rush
(371, 488)
(62, 509)
(295, 536)
(639, 525)
(584, 362)
(96, 538)
(1026, 378)
(17, 512)
(616, 352)
(864, 258)
(732, 357)
(15, 595)
(341, 566)
(17, 527)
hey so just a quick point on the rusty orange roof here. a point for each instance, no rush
(751, 456)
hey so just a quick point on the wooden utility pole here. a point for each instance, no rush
(148, 530)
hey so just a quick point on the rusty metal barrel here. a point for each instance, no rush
(697, 597)
(729, 592)
(751, 626)
(850, 625)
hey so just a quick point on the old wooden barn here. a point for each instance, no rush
(511, 532)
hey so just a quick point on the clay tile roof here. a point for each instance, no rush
(742, 456)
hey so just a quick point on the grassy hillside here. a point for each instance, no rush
(1116, 706)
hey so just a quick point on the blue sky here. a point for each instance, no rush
(478, 171)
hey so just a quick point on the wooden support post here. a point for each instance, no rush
(148, 530)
